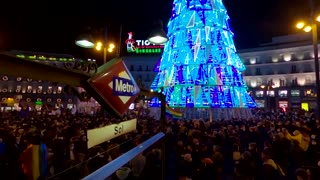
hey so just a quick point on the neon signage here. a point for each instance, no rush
(142, 46)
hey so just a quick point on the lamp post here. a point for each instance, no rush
(307, 28)
(158, 36)
(86, 41)
(110, 48)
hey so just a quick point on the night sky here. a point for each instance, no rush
(52, 25)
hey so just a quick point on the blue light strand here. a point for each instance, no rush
(200, 67)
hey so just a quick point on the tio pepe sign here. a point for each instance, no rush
(142, 46)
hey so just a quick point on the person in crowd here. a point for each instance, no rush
(270, 169)
(302, 174)
(137, 165)
(217, 159)
(246, 167)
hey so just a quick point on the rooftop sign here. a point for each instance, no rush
(142, 46)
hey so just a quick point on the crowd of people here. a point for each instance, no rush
(55, 147)
(277, 145)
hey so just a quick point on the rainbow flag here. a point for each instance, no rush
(173, 112)
(35, 161)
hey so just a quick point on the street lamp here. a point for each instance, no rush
(157, 35)
(85, 41)
(105, 47)
(307, 28)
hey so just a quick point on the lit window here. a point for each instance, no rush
(49, 90)
(59, 90)
(29, 89)
(283, 93)
(18, 89)
(308, 80)
(309, 92)
(253, 60)
(253, 83)
(270, 93)
(259, 93)
(39, 89)
(287, 57)
(5, 78)
(275, 59)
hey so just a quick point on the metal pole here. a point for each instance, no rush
(120, 42)
(104, 54)
(162, 98)
(316, 56)
(268, 98)
(105, 45)
(316, 64)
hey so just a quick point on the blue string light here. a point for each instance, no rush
(200, 67)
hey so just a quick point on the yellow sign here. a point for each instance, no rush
(305, 106)
(103, 134)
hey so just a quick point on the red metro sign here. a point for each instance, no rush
(115, 86)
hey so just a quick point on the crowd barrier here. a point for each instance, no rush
(114, 165)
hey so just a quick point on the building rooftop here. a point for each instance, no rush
(282, 42)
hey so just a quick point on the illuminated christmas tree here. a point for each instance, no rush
(199, 67)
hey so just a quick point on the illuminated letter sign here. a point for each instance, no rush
(122, 87)
(115, 86)
(142, 46)
(106, 133)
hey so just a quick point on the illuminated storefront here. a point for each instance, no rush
(17, 92)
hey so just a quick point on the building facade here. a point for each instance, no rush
(142, 68)
(281, 74)
(19, 92)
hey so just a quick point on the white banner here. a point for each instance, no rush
(103, 134)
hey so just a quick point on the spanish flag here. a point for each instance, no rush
(173, 112)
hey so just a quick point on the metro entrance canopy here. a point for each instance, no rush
(104, 86)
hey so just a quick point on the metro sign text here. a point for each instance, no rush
(122, 87)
